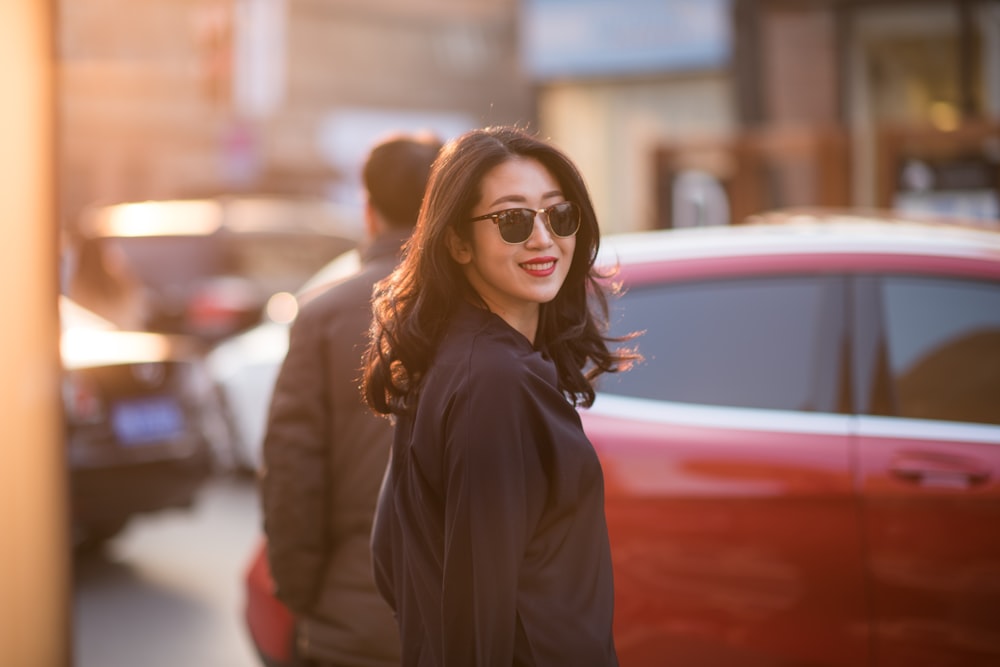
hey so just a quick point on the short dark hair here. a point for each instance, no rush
(395, 175)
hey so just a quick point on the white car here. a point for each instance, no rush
(245, 367)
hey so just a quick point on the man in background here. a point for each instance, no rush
(325, 452)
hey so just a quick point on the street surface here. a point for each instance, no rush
(168, 590)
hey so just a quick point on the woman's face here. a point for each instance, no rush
(514, 279)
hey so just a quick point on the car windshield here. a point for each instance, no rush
(72, 316)
(271, 262)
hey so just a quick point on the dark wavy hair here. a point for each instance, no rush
(412, 306)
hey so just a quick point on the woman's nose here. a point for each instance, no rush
(541, 236)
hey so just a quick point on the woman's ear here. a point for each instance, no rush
(459, 249)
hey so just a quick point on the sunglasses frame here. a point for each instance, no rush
(534, 213)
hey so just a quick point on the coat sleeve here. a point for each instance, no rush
(493, 497)
(293, 479)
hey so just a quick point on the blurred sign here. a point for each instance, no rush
(259, 56)
(963, 187)
(240, 154)
(699, 200)
(580, 38)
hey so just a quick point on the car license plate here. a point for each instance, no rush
(147, 420)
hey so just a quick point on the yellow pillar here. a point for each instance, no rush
(34, 543)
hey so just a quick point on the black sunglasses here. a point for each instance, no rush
(516, 224)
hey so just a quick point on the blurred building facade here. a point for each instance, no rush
(709, 111)
(678, 112)
(616, 80)
(174, 98)
(863, 103)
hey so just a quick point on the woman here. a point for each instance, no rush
(490, 540)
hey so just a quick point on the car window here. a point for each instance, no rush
(943, 339)
(773, 342)
(171, 264)
(282, 262)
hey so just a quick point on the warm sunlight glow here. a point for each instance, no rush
(944, 116)
(82, 348)
(160, 218)
(282, 308)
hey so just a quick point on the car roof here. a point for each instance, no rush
(242, 214)
(808, 232)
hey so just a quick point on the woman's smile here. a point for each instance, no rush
(541, 267)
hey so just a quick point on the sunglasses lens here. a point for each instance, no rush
(516, 224)
(564, 219)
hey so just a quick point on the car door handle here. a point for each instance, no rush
(938, 470)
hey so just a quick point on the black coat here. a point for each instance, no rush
(490, 539)
(325, 454)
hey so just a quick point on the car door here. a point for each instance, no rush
(729, 496)
(928, 387)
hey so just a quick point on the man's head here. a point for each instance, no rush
(395, 176)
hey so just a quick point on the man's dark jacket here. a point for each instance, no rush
(325, 454)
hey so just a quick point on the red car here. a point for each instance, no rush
(806, 468)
